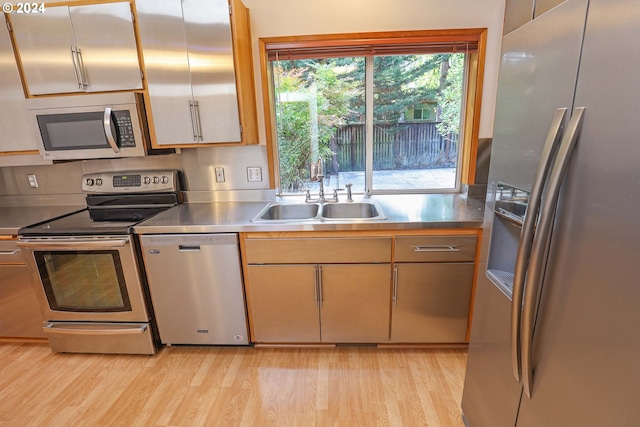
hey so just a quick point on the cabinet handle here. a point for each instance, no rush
(198, 126)
(395, 286)
(320, 285)
(315, 283)
(84, 81)
(75, 60)
(192, 111)
(437, 248)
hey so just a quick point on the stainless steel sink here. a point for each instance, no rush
(288, 211)
(355, 210)
(320, 211)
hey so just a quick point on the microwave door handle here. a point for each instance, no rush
(108, 130)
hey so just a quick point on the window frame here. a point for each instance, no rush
(473, 92)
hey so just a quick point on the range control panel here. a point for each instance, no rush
(158, 181)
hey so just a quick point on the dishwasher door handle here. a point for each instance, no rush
(187, 248)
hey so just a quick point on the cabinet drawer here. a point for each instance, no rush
(318, 250)
(10, 253)
(435, 248)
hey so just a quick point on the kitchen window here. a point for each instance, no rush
(388, 112)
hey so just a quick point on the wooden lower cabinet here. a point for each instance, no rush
(332, 303)
(431, 302)
(398, 288)
(355, 303)
(284, 305)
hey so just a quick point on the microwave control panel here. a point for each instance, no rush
(124, 128)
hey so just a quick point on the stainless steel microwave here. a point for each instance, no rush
(89, 126)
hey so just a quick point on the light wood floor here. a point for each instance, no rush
(232, 386)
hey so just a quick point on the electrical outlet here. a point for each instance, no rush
(33, 182)
(254, 174)
(219, 174)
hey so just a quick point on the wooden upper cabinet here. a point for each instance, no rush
(543, 6)
(75, 49)
(199, 72)
(519, 12)
(516, 14)
(15, 129)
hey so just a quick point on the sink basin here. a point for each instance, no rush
(356, 210)
(289, 211)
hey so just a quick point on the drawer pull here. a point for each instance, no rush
(437, 248)
(10, 252)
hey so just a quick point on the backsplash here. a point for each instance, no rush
(197, 164)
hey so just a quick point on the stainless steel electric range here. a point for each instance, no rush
(93, 293)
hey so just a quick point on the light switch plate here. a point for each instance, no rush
(33, 182)
(219, 174)
(254, 174)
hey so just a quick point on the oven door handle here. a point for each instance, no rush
(85, 244)
(50, 328)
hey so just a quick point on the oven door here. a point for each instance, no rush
(87, 279)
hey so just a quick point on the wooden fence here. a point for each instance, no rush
(395, 146)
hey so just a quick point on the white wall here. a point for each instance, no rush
(272, 18)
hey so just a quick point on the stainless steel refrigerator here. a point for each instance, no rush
(555, 339)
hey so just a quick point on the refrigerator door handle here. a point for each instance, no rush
(526, 237)
(541, 238)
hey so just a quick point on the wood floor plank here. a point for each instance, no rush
(232, 386)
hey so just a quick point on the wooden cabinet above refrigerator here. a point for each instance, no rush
(199, 72)
(77, 48)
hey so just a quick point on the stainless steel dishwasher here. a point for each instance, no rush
(195, 282)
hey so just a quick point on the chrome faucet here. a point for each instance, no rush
(349, 196)
(321, 191)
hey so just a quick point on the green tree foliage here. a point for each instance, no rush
(334, 87)
(450, 97)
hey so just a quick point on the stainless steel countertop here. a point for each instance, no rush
(13, 218)
(415, 211)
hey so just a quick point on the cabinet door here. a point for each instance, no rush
(431, 302)
(108, 50)
(15, 128)
(166, 62)
(516, 14)
(188, 56)
(355, 303)
(283, 303)
(107, 58)
(44, 42)
(19, 311)
(213, 81)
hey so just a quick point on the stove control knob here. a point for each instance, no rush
(165, 179)
(156, 180)
(88, 182)
(147, 180)
(99, 181)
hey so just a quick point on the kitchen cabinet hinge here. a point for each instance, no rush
(8, 25)
(141, 75)
(230, 9)
(240, 129)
